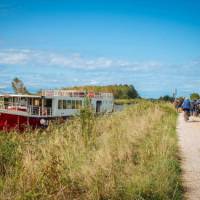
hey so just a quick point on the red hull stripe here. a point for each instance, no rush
(10, 121)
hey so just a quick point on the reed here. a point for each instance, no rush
(127, 155)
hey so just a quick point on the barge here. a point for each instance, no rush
(22, 111)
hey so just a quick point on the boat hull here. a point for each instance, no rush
(17, 122)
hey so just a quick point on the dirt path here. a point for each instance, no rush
(189, 141)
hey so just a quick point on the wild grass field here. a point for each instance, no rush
(128, 155)
(127, 101)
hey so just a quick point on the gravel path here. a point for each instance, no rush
(189, 142)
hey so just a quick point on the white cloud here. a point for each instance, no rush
(44, 69)
(73, 61)
(13, 57)
(93, 82)
(2, 86)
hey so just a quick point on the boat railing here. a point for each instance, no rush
(40, 111)
(73, 93)
(106, 95)
(67, 93)
(27, 109)
(12, 106)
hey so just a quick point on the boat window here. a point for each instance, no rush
(10, 100)
(1, 101)
(29, 101)
(64, 104)
(78, 104)
(60, 104)
(48, 102)
(15, 99)
(36, 102)
(23, 101)
(6, 99)
(73, 104)
(69, 104)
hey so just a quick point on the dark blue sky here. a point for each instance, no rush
(151, 44)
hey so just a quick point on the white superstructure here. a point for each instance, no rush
(69, 102)
(56, 103)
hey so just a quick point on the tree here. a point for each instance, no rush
(194, 96)
(132, 92)
(167, 98)
(18, 86)
(119, 91)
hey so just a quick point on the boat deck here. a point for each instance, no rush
(36, 111)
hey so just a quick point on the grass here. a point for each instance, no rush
(127, 155)
(127, 101)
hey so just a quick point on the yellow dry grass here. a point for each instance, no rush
(129, 155)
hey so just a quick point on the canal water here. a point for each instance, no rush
(118, 108)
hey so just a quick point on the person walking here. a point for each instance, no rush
(197, 108)
(176, 104)
(192, 107)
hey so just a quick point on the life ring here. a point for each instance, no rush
(43, 121)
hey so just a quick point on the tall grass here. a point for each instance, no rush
(128, 155)
(127, 101)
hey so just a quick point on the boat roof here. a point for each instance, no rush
(59, 93)
(20, 95)
(75, 93)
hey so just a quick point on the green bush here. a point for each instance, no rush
(194, 96)
(119, 91)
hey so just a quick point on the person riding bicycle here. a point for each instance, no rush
(186, 106)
